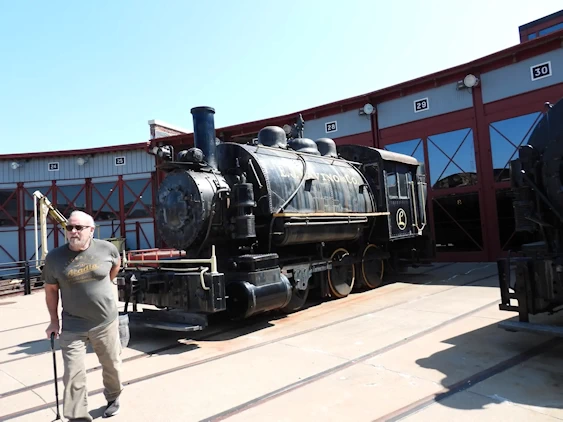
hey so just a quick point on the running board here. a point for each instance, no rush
(168, 320)
(552, 330)
(163, 325)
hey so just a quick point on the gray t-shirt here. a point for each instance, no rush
(87, 292)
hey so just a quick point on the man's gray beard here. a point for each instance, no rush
(79, 243)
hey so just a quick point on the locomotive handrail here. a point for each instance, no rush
(212, 261)
(415, 207)
(255, 174)
(424, 206)
(330, 214)
(299, 186)
(201, 279)
(325, 223)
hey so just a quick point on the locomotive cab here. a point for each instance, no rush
(405, 200)
(399, 186)
(398, 182)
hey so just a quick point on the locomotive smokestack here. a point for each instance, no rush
(204, 133)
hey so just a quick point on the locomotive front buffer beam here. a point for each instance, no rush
(524, 294)
(184, 291)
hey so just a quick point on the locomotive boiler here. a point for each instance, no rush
(536, 184)
(255, 227)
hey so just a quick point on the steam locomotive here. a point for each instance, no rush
(254, 227)
(537, 185)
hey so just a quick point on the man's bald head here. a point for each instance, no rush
(81, 218)
(80, 227)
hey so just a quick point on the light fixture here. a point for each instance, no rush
(367, 109)
(81, 161)
(15, 165)
(470, 81)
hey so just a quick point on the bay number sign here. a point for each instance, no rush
(540, 71)
(330, 127)
(53, 166)
(421, 105)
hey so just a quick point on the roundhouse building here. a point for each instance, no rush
(464, 123)
(114, 184)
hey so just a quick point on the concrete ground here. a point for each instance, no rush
(423, 348)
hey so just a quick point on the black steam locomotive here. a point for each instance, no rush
(537, 187)
(257, 226)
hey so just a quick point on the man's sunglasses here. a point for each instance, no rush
(79, 228)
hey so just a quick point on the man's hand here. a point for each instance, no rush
(53, 328)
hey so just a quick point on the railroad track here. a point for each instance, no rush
(248, 327)
(257, 321)
(417, 405)
(470, 381)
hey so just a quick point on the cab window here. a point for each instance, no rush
(392, 187)
(403, 175)
(403, 186)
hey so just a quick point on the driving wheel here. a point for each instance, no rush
(372, 267)
(341, 276)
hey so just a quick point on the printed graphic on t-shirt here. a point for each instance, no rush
(81, 268)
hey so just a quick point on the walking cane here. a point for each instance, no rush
(55, 369)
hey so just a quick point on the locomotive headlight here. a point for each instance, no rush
(164, 152)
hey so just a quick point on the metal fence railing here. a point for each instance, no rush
(18, 277)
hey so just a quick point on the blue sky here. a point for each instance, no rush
(87, 74)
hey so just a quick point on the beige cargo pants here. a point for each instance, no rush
(107, 346)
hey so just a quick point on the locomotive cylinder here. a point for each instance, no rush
(246, 299)
(204, 133)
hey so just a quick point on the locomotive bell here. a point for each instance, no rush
(193, 155)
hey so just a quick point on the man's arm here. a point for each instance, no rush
(115, 269)
(52, 299)
(51, 288)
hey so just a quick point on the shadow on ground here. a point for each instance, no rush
(531, 379)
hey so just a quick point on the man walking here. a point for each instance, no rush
(83, 270)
